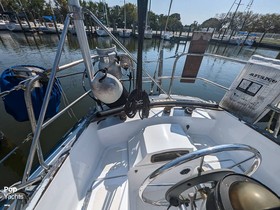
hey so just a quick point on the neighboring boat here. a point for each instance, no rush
(3, 25)
(100, 31)
(243, 38)
(8, 21)
(167, 35)
(148, 32)
(124, 33)
(19, 27)
(3, 21)
(72, 30)
(49, 28)
(136, 151)
(239, 39)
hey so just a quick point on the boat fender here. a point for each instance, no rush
(108, 89)
(14, 102)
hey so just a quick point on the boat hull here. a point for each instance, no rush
(101, 32)
(166, 36)
(148, 34)
(124, 33)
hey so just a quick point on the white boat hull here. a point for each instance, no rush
(148, 34)
(124, 33)
(16, 27)
(3, 25)
(50, 28)
(166, 36)
(101, 32)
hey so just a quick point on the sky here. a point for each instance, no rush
(201, 10)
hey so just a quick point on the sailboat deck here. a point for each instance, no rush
(119, 170)
(106, 168)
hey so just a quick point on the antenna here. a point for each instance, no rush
(246, 12)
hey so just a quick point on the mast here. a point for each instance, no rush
(146, 22)
(247, 13)
(124, 8)
(2, 6)
(105, 16)
(105, 12)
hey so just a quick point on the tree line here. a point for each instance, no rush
(35, 9)
(252, 22)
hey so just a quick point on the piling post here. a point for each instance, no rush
(259, 42)
(160, 67)
(56, 29)
(198, 45)
(24, 32)
(243, 42)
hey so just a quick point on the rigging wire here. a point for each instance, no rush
(121, 46)
(65, 100)
(161, 47)
(231, 22)
(28, 137)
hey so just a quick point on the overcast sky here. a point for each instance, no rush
(201, 10)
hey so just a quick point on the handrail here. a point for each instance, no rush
(31, 115)
(45, 102)
(122, 47)
(177, 57)
(23, 85)
(41, 125)
(65, 109)
(74, 63)
(196, 78)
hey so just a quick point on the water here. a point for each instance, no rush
(15, 49)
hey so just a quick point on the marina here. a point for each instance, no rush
(134, 123)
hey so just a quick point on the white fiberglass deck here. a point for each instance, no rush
(108, 164)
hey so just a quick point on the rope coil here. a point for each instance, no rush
(137, 102)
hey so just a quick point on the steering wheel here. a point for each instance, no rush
(172, 195)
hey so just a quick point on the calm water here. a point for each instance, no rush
(16, 49)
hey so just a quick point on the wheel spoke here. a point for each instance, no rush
(241, 162)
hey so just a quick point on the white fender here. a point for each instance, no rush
(107, 90)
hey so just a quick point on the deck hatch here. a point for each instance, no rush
(167, 156)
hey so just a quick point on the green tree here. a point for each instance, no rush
(212, 23)
(252, 22)
(153, 20)
(116, 16)
(131, 14)
(161, 21)
(194, 26)
(266, 22)
(174, 22)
